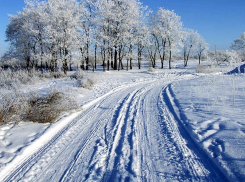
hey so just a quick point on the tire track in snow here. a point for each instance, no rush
(192, 168)
(70, 173)
(137, 139)
(93, 169)
(144, 144)
(121, 139)
(27, 165)
(131, 111)
(195, 155)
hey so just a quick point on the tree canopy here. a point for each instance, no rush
(54, 34)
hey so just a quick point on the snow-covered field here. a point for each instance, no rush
(167, 125)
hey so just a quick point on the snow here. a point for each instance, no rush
(167, 125)
(214, 106)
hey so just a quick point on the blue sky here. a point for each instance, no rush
(218, 21)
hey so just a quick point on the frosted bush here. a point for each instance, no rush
(85, 83)
(78, 74)
(151, 70)
(85, 80)
(47, 109)
(208, 68)
(12, 107)
(16, 106)
(14, 78)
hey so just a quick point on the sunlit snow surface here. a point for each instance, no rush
(169, 125)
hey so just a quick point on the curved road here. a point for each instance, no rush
(131, 134)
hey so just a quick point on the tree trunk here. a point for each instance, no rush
(103, 65)
(187, 57)
(108, 57)
(131, 52)
(87, 57)
(93, 66)
(42, 67)
(162, 63)
(65, 65)
(102, 51)
(139, 60)
(139, 63)
(184, 57)
(95, 56)
(47, 68)
(28, 59)
(120, 57)
(121, 64)
(71, 67)
(199, 57)
(139, 56)
(115, 58)
(87, 62)
(163, 54)
(170, 55)
(112, 65)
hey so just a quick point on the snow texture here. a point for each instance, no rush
(167, 125)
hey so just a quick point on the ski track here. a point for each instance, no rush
(131, 134)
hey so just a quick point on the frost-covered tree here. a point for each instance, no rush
(192, 43)
(189, 40)
(166, 29)
(87, 27)
(19, 43)
(46, 30)
(25, 32)
(202, 47)
(142, 36)
(52, 33)
(35, 28)
(62, 30)
(239, 45)
(152, 49)
(103, 31)
(117, 19)
(222, 57)
(158, 30)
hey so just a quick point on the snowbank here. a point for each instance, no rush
(214, 107)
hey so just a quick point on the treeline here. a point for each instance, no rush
(56, 34)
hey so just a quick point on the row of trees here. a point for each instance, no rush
(239, 45)
(59, 33)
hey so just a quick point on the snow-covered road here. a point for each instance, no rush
(132, 133)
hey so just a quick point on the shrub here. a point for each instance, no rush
(151, 70)
(204, 68)
(84, 79)
(47, 109)
(14, 78)
(78, 74)
(17, 106)
(85, 83)
(12, 107)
